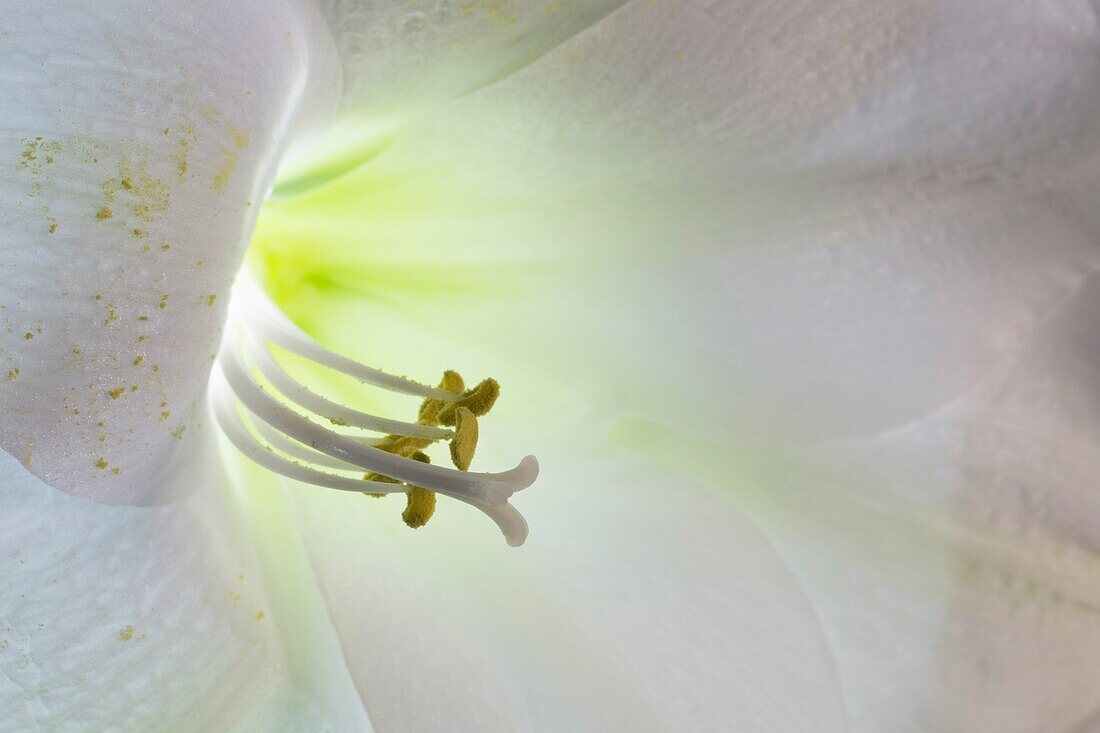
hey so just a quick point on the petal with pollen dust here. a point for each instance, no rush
(137, 144)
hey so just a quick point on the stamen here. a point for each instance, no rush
(295, 445)
(486, 487)
(510, 522)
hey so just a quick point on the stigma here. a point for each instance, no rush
(282, 425)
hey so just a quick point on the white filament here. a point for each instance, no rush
(296, 450)
(302, 396)
(254, 309)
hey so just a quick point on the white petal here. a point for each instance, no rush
(952, 560)
(137, 142)
(401, 59)
(396, 54)
(197, 616)
(730, 91)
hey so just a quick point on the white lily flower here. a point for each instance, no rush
(792, 300)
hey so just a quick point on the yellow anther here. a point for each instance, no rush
(419, 508)
(465, 440)
(478, 400)
(430, 409)
(420, 503)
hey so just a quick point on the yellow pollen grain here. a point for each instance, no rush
(126, 634)
(465, 441)
(101, 464)
(184, 147)
(30, 153)
(148, 195)
(116, 393)
(103, 214)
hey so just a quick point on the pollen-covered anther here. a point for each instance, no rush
(464, 443)
(478, 400)
(430, 408)
(419, 502)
